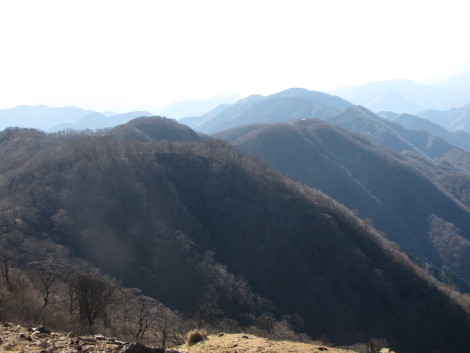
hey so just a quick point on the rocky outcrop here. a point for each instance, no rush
(15, 338)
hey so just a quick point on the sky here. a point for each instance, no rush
(127, 55)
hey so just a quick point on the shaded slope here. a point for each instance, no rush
(363, 121)
(460, 118)
(453, 119)
(417, 123)
(397, 197)
(390, 135)
(458, 158)
(167, 215)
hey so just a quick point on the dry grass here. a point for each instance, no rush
(240, 343)
(195, 336)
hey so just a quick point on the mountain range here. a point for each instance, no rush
(394, 136)
(53, 119)
(379, 185)
(40, 116)
(290, 104)
(445, 103)
(405, 96)
(458, 138)
(396, 132)
(174, 213)
(184, 216)
(454, 119)
(298, 103)
(191, 107)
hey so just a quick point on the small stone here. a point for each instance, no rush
(138, 348)
(42, 329)
(115, 341)
(44, 344)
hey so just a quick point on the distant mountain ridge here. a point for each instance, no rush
(417, 123)
(290, 104)
(406, 96)
(454, 119)
(425, 138)
(378, 96)
(50, 119)
(40, 117)
(96, 120)
(390, 134)
(191, 107)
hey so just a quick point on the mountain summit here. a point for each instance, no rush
(290, 104)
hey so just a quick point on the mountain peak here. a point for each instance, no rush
(291, 104)
(155, 128)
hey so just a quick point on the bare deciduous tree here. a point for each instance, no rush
(146, 316)
(47, 280)
(90, 296)
(5, 268)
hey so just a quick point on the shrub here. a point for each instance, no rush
(195, 336)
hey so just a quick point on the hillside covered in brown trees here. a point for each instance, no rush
(206, 231)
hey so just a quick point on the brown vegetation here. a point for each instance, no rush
(195, 336)
(207, 231)
(396, 192)
(242, 343)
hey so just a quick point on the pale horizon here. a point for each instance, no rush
(122, 55)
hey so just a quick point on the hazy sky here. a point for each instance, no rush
(123, 55)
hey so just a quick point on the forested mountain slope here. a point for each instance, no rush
(389, 134)
(417, 123)
(457, 118)
(401, 200)
(182, 216)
